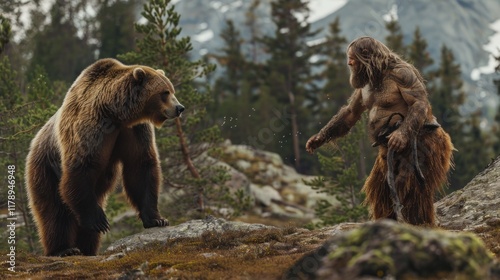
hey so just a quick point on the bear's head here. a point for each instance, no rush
(161, 103)
(126, 94)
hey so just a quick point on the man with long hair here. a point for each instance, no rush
(414, 152)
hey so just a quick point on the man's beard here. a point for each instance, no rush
(359, 77)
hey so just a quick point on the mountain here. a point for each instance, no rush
(465, 26)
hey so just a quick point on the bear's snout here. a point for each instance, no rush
(179, 109)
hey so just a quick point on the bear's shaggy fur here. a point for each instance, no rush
(103, 131)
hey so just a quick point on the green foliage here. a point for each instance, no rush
(233, 61)
(344, 180)
(5, 32)
(231, 99)
(21, 117)
(345, 165)
(337, 89)
(10, 93)
(58, 48)
(447, 95)
(116, 27)
(446, 92)
(115, 205)
(418, 54)
(288, 73)
(189, 172)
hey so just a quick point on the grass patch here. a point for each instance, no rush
(261, 254)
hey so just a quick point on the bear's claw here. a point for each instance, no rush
(97, 222)
(160, 222)
(68, 252)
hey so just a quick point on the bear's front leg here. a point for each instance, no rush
(141, 184)
(141, 172)
(93, 218)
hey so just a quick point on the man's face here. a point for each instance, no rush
(358, 77)
(351, 60)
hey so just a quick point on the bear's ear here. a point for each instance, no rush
(160, 71)
(139, 74)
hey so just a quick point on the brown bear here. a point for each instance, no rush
(103, 131)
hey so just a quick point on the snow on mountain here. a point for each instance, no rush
(493, 48)
(470, 28)
(392, 14)
(322, 8)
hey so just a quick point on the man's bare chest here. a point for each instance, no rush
(387, 98)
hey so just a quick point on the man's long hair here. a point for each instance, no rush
(378, 60)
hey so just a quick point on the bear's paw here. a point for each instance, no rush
(68, 252)
(160, 222)
(95, 221)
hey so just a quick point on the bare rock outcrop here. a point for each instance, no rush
(476, 207)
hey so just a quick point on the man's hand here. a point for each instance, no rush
(313, 143)
(397, 141)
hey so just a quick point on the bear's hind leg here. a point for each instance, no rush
(87, 241)
(58, 233)
(55, 223)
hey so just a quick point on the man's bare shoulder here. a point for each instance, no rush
(404, 76)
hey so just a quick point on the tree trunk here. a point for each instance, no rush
(187, 160)
(295, 131)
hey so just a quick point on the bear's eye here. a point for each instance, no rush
(164, 96)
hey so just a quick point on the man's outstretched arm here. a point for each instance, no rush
(340, 124)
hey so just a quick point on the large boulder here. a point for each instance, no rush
(190, 229)
(388, 250)
(277, 189)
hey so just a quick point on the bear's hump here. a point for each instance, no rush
(102, 69)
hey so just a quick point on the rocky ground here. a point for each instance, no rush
(467, 246)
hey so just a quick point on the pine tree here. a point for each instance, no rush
(288, 70)
(183, 142)
(337, 89)
(252, 22)
(233, 61)
(446, 93)
(13, 10)
(344, 180)
(116, 27)
(418, 54)
(8, 75)
(446, 98)
(5, 32)
(58, 49)
(21, 117)
(232, 90)
(394, 40)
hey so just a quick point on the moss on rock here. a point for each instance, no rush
(386, 248)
